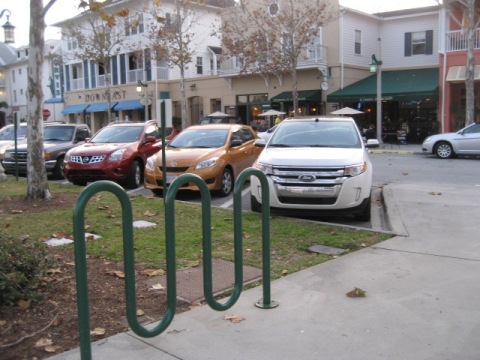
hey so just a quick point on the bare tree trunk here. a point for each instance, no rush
(470, 69)
(37, 182)
(184, 98)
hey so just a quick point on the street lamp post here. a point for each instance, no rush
(376, 67)
(142, 90)
(8, 29)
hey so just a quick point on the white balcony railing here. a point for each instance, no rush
(457, 40)
(162, 73)
(312, 56)
(135, 75)
(77, 84)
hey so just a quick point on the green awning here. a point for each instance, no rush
(418, 84)
(304, 95)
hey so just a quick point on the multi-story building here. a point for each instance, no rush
(406, 44)
(333, 72)
(14, 82)
(453, 62)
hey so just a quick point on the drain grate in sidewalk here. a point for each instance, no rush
(190, 280)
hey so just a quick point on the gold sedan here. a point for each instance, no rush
(217, 153)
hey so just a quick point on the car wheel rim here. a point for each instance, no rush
(226, 182)
(138, 176)
(444, 151)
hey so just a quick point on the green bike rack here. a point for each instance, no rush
(129, 261)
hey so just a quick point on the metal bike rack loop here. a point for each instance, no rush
(129, 261)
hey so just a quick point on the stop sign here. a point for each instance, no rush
(46, 113)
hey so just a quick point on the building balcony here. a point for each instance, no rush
(457, 40)
(313, 56)
(162, 73)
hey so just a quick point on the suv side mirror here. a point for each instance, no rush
(150, 139)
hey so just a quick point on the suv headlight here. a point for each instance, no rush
(356, 169)
(116, 155)
(150, 163)
(206, 163)
(266, 168)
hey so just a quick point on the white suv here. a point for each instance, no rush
(316, 165)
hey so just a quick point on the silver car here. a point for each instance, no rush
(463, 142)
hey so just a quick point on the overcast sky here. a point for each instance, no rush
(64, 9)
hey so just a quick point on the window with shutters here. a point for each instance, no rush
(419, 43)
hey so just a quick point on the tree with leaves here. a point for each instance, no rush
(99, 37)
(272, 37)
(467, 15)
(173, 39)
(37, 182)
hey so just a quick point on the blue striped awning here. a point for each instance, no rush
(98, 107)
(74, 109)
(129, 105)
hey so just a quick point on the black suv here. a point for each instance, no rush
(57, 140)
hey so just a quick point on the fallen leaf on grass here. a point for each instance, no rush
(97, 331)
(24, 304)
(54, 271)
(89, 238)
(149, 213)
(103, 207)
(117, 273)
(3, 322)
(154, 272)
(195, 305)
(356, 292)
(285, 272)
(233, 318)
(43, 342)
(52, 349)
(157, 287)
(140, 312)
(16, 211)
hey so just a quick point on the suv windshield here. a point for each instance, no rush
(118, 134)
(8, 132)
(336, 134)
(58, 133)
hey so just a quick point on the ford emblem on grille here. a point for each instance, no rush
(307, 177)
(86, 159)
(173, 163)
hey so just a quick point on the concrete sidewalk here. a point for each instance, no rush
(422, 298)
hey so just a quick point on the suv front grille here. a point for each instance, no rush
(20, 156)
(87, 159)
(308, 185)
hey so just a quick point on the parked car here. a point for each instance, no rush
(463, 142)
(267, 134)
(315, 165)
(7, 137)
(58, 138)
(216, 152)
(117, 152)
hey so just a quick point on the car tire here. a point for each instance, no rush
(226, 185)
(79, 183)
(58, 169)
(135, 176)
(366, 214)
(444, 150)
(255, 206)
(157, 192)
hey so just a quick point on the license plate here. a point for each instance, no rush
(170, 179)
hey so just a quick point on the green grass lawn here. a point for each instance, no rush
(290, 238)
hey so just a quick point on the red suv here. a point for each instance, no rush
(117, 152)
